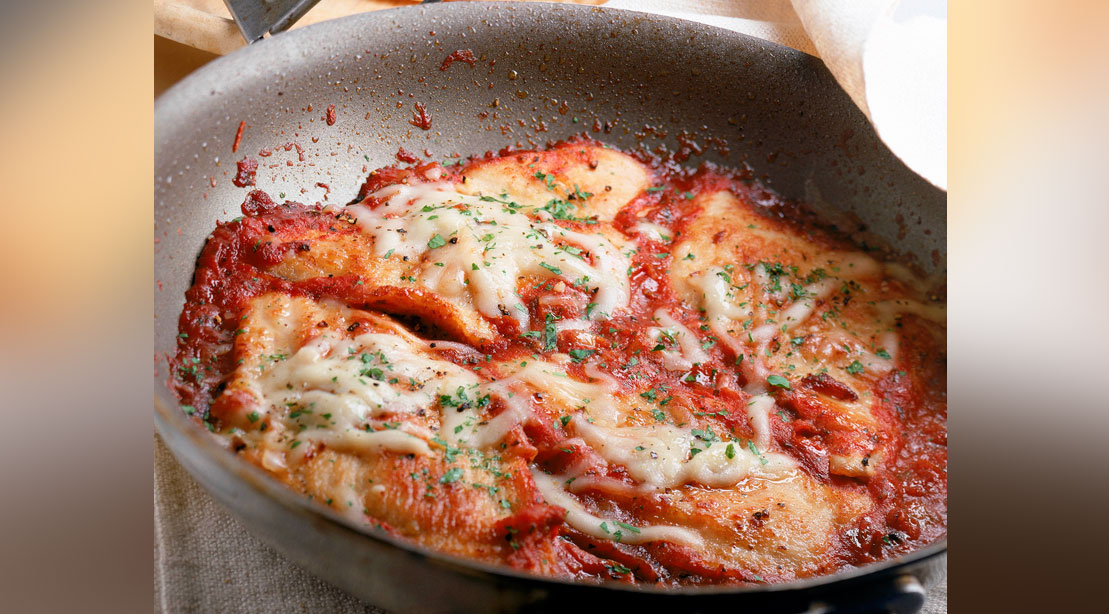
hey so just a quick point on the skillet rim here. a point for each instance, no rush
(170, 420)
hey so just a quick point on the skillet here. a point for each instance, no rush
(544, 73)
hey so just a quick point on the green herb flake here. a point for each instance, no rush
(436, 241)
(754, 450)
(550, 335)
(580, 355)
(779, 381)
(452, 475)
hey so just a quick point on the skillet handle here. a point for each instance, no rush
(903, 594)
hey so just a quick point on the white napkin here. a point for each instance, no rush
(890, 56)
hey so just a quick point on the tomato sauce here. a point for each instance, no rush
(403, 155)
(238, 137)
(909, 490)
(247, 168)
(420, 117)
(462, 55)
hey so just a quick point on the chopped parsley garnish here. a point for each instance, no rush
(617, 568)
(775, 271)
(559, 209)
(705, 435)
(779, 381)
(855, 368)
(461, 401)
(580, 355)
(449, 451)
(627, 526)
(548, 180)
(754, 450)
(452, 475)
(550, 335)
(436, 241)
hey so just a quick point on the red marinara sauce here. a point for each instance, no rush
(420, 117)
(462, 55)
(909, 490)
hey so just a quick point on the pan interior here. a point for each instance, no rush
(541, 73)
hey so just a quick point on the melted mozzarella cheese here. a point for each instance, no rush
(691, 352)
(758, 414)
(362, 442)
(657, 456)
(653, 231)
(337, 385)
(931, 312)
(796, 313)
(717, 302)
(558, 388)
(481, 246)
(660, 456)
(595, 526)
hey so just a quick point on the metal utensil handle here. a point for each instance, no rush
(256, 18)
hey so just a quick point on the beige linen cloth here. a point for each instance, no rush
(206, 561)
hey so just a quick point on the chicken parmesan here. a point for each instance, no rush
(579, 363)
